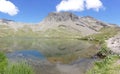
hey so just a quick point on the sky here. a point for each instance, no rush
(34, 11)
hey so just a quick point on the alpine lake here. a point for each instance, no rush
(51, 55)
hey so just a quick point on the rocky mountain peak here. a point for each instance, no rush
(89, 18)
(5, 20)
(61, 17)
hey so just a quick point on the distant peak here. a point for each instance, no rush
(90, 17)
(61, 16)
(5, 20)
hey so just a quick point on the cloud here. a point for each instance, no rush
(79, 5)
(94, 4)
(8, 7)
(70, 5)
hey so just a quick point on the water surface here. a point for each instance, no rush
(78, 53)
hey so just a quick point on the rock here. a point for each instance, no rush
(61, 17)
(114, 44)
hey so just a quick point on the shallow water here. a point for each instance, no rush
(26, 54)
(35, 50)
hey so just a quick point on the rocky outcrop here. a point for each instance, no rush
(114, 44)
(61, 17)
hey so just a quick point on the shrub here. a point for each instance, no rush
(103, 51)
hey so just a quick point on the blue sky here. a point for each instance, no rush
(33, 11)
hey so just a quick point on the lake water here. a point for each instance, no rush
(26, 54)
(68, 52)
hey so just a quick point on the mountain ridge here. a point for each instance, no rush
(60, 22)
(86, 25)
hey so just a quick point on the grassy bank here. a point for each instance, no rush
(104, 34)
(16, 68)
(19, 68)
(101, 37)
(108, 65)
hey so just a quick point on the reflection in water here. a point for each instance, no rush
(54, 50)
(26, 54)
(48, 47)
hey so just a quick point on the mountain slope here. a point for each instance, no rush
(56, 24)
(70, 22)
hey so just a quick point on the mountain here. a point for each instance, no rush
(56, 24)
(83, 25)
(5, 20)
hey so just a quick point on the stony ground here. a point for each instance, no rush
(114, 44)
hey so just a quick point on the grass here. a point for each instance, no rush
(18, 68)
(106, 66)
(105, 33)
(3, 62)
(26, 31)
(61, 33)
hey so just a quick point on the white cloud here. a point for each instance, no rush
(79, 5)
(68, 5)
(94, 4)
(8, 7)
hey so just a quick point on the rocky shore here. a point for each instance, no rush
(114, 44)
